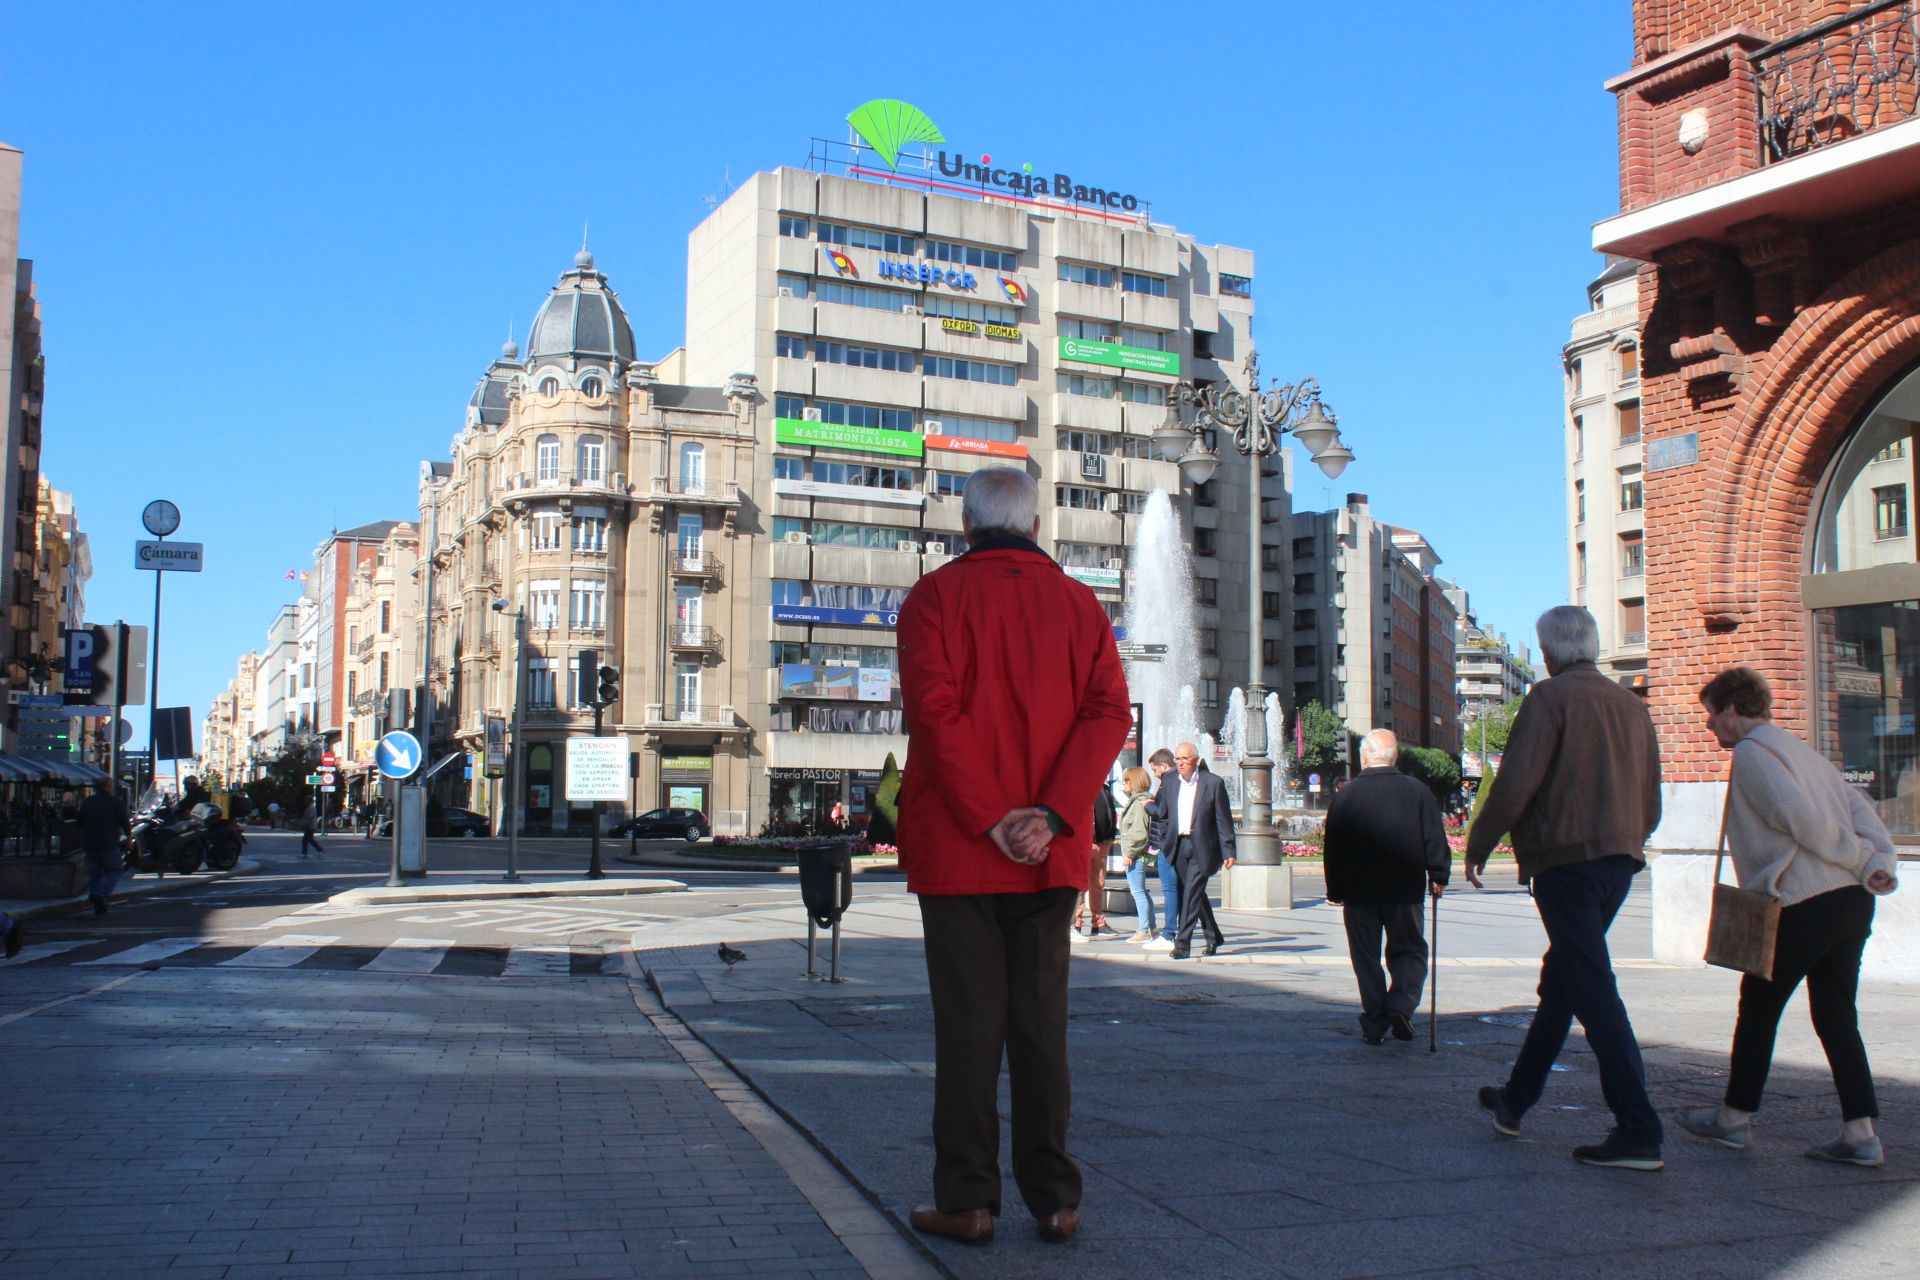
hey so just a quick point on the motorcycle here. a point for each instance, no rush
(226, 840)
(162, 840)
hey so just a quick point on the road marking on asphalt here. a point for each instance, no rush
(410, 955)
(148, 952)
(528, 962)
(281, 953)
(41, 950)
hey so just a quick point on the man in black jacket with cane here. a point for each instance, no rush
(1385, 851)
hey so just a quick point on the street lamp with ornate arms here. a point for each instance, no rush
(1256, 419)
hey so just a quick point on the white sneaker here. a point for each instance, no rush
(1159, 943)
(1077, 936)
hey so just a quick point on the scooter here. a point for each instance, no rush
(176, 844)
(226, 840)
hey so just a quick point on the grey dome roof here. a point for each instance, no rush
(581, 317)
(489, 402)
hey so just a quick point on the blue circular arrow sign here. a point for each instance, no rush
(398, 754)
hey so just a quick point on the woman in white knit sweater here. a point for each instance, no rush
(1797, 830)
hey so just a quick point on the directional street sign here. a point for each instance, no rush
(313, 779)
(1131, 652)
(398, 754)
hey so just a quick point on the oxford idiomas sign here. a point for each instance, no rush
(887, 125)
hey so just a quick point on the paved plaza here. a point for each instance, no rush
(580, 1087)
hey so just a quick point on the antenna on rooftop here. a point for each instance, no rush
(726, 188)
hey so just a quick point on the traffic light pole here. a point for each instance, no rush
(593, 864)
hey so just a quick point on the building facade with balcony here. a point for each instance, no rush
(22, 398)
(603, 500)
(382, 620)
(1770, 193)
(902, 338)
(1372, 627)
(1606, 471)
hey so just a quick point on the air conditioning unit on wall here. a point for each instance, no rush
(797, 537)
(909, 310)
(811, 415)
(785, 291)
(933, 427)
(912, 548)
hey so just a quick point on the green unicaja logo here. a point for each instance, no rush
(887, 124)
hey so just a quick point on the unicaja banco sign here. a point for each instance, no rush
(887, 125)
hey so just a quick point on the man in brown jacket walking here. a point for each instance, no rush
(1579, 788)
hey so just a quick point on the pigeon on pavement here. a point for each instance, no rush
(730, 956)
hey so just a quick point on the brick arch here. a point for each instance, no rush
(1822, 373)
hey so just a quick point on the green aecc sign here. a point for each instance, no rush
(837, 435)
(1115, 356)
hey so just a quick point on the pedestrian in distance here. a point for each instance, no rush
(1136, 829)
(1016, 705)
(309, 824)
(1796, 830)
(104, 829)
(1160, 764)
(1093, 898)
(1580, 791)
(1199, 840)
(1386, 850)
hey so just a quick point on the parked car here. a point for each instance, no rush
(664, 824)
(460, 822)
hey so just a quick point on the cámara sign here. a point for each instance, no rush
(887, 125)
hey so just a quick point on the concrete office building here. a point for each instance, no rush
(1607, 565)
(1373, 629)
(903, 338)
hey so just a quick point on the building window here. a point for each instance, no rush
(1305, 584)
(789, 406)
(1087, 330)
(1579, 501)
(865, 238)
(859, 295)
(543, 531)
(1076, 441)
(1082, 384)
(1202, 345)
(1081, 273)
(1203, 542)
(546, 455)
(1210, 693)
(792, 285)
(1574, 378)
(864, 357)
(543, 600)
(1004, 375)
(693, 467)
(865, 476)
(1630, 423)
(549, 387)
(386, 616)
(1305, 620)
(1076, 497)
(973, 256)
(1203, 494)
(948, 485)
(1580, 563)
(1304, 655)
(1579, 438)
(1632, 494)
(792, 224)
(1135, 282)
(1633, 622)
(789, 468)
(1209, 641)
(1890, 511)
(1133, 504)
(1270, 657)
(1269, 604)
(588, 606)
(866, 415)
(1633, 555)
(386, 671)
(1146, 339)
(590, 534)
(1629, 364)
(979, 428)
(540, 683)
(1142, 392)
(1206, 591)
(1897, 449)
(591, 387)
(591, 455)
(790, 347)
(1236, 286)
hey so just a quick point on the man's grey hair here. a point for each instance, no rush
(1568, 634)
(1000, 501)
(1380, 746)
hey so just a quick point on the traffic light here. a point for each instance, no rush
(585, 664)
(609, 686)
(396, 710)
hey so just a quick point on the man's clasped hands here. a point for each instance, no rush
(1023, 835)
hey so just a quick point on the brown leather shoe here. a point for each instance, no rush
(969, 1226)
(1060, 1226)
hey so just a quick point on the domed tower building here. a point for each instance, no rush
(598, 506)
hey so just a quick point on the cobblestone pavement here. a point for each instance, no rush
(1231, 1121)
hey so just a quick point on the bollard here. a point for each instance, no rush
(826, 890)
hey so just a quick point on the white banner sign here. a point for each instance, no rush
(596, 769)
(171, 557)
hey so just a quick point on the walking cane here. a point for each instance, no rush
(1433, 981)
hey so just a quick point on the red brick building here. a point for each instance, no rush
(1770, 186)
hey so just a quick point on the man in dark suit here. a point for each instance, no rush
(1385, 850)
(1199, 838)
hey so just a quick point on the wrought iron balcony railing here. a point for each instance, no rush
(704, 639)
(695, 563)
(1839, 79)
(680, 489)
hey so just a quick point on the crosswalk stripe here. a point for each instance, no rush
(40, 951)
(410, 955)
(147, 952)
(281, 953)
(526, 962)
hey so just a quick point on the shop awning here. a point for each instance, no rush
(15, 768)
(77, 772)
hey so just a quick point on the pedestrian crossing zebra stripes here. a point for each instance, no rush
(418, 957)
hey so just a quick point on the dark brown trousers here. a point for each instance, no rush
(997, 973)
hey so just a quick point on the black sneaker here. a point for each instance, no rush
(1493, 1101)
(12, 939)
(1622, 1152)
(1401, 1025)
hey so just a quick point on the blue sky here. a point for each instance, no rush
(276, 246)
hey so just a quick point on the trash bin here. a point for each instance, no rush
(826, 881)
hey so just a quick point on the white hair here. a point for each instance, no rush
(1380, 746)
(1568, 634)
(999, 501)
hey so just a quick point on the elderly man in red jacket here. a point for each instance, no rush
(1016, 708)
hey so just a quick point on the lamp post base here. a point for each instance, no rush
(1257, 887)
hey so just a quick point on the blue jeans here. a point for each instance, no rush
(1577, 904)
(1169, 897)
(1142, 901)
(103, 871)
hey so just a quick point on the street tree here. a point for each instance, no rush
(1321, 738)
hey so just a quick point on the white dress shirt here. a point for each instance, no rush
(1187, 792)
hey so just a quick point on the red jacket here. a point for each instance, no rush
(1014, 696)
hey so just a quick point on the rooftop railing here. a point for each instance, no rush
(1839, 79)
